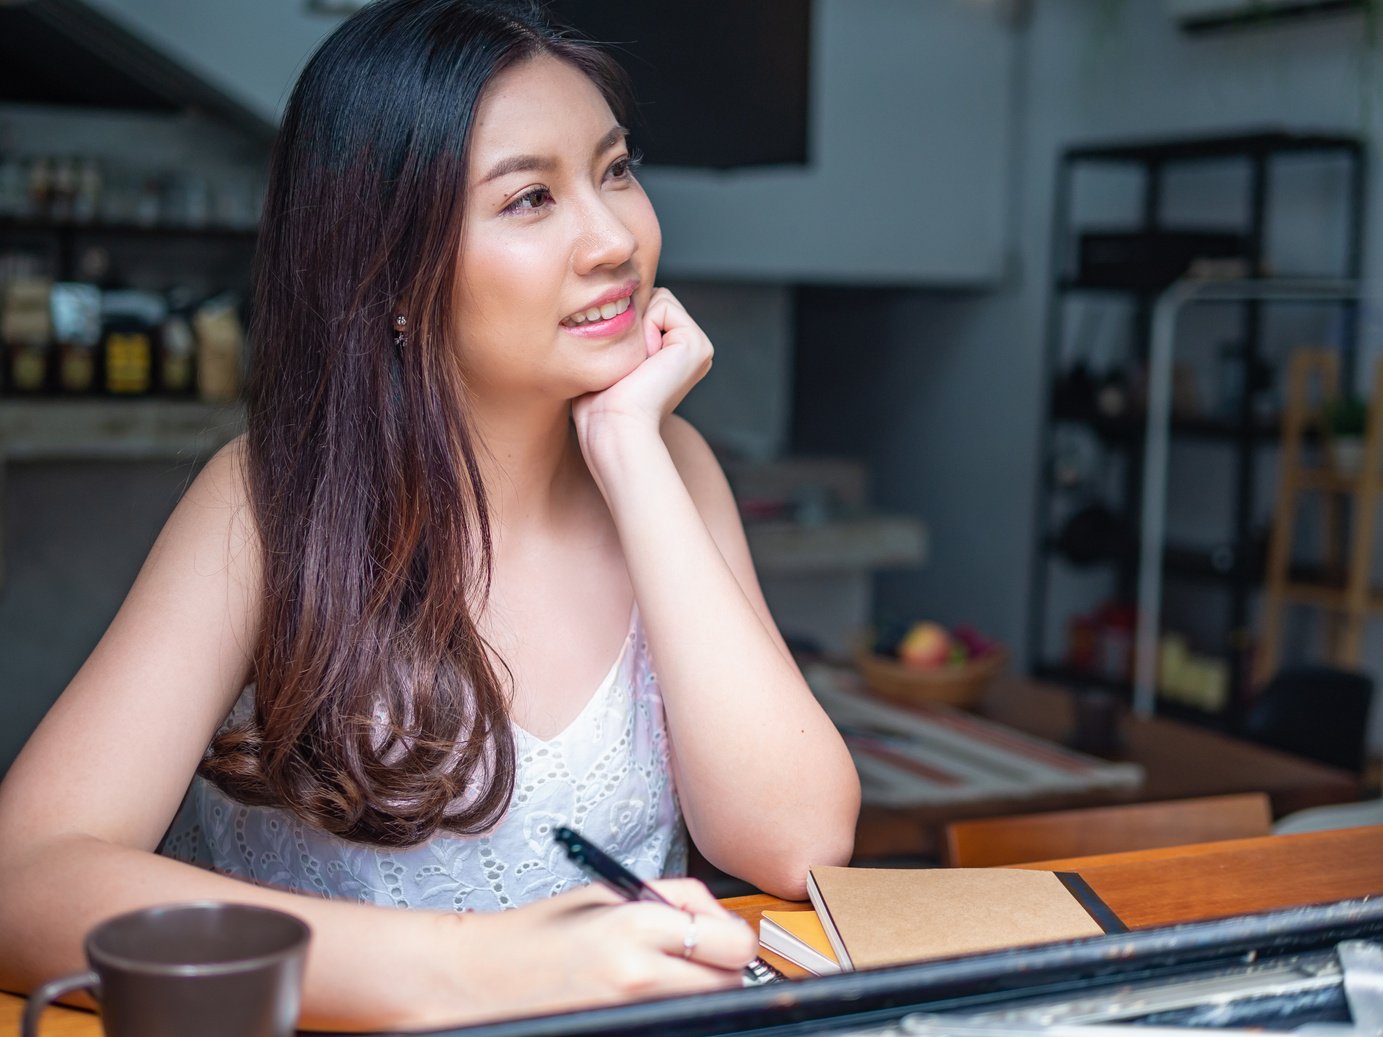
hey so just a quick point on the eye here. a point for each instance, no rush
(531, 200)
(623, 167)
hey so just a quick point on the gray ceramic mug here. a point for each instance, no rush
(205, 968)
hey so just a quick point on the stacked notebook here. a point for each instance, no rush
(869, 917)
(799, 937)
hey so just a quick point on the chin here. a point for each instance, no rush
(605, 370)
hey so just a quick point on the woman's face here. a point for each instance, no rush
(560, 243)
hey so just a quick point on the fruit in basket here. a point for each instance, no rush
(924, 661)
(976, 644)
(926, 646)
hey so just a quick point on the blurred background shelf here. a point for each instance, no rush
(817, 541)
(871, 541)
(131, 430)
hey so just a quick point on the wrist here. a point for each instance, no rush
(616, 447)
(451, 981)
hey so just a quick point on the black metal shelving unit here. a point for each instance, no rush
(1235, 565)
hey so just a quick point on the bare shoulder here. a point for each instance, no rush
(217, 505)
(224, 478)
(210, 546)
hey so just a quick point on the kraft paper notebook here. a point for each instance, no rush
(886, 916)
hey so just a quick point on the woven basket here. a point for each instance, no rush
(961, 684)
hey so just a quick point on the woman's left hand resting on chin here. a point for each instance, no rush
(766, 784)
(678, 356)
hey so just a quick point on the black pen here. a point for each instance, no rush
(600, 866)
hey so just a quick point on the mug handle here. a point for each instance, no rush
(51, 991)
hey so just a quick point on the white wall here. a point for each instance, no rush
(251, 50)
(909, 125)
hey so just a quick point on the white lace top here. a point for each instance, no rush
(607, 775)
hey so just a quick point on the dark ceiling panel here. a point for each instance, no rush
(40, 64)
(63, 52)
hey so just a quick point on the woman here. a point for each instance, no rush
(461, 493)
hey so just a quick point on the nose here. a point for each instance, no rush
(603, 239)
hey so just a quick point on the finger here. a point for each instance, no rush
(661, 319)
(652, 335)
(675, 976)
(668, 311)
(709, 939)
(717, 940)
(582, 899)
(689, 894)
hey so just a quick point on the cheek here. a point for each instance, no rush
(500, 283)
(648, 232)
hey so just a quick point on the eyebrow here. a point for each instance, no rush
(542, 164)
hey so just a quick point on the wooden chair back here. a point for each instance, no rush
(1022, 838)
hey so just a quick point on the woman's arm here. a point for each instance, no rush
(765, 781)
(88, 799)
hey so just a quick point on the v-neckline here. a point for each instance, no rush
(629, 636)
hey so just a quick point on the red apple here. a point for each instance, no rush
(925, 646)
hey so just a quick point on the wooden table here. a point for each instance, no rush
(56, 1022)
(1180, 761)
(1145, 888)
(1148, 888)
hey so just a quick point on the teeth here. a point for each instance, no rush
(610, 309)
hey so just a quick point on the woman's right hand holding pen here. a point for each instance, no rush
(589, 947)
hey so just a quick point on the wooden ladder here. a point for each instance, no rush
(1345, 594)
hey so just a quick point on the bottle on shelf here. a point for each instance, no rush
(27, 335)
(40, 187)
(76, 315)
(63, 190)
(220, 349)
(86, 198)
(130, 322)
(177, 349)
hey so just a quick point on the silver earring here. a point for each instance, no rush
(400, 331)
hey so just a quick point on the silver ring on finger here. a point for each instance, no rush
(689, 940)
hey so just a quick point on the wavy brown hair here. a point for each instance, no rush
(378, 712)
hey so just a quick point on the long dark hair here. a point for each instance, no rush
(379, 715)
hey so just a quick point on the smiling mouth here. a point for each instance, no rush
(598, 313)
